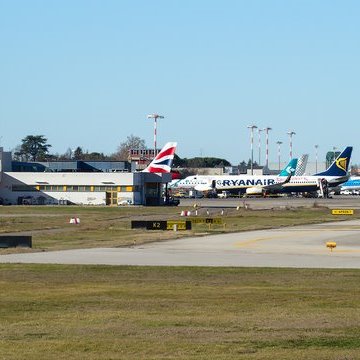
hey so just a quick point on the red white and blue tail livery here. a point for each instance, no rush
(163, 160)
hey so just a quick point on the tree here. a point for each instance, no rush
(33, 148)
(78, 153)
(132, 142)
(242, 167)
(178, 162)
(94, 156)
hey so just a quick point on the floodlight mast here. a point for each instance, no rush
(267, 129)
(291, 133)
(155, 117)
(259, 144)
(252, 127)
(278, 144)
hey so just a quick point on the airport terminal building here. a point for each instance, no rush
(81, 183)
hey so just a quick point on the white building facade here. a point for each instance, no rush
(81, 188)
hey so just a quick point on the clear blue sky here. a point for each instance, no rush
(86, 73)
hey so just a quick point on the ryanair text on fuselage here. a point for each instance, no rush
(245, 182)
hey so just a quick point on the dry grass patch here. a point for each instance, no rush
(99, 312)
(111, 227)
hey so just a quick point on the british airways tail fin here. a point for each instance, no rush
(340, 166)
(289, 168)
(163, 160)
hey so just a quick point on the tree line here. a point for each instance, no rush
(36, 148)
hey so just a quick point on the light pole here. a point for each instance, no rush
(316, 157)
(291, 133)
(267, 146)
(252, 127)
(278, 144)
(259, 143)
(155, 117)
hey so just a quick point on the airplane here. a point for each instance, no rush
(301, 165)
(335, 175)
(238, 184)
(350, 186)
(163, 160)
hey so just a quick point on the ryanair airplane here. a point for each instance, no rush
(237, 184)
(336, 174)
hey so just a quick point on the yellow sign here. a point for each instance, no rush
(343, 212)
(331, 245)
(181, 225)
(206, 220)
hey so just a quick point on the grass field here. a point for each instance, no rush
(108, 312)
(110, 226)
(99, 312)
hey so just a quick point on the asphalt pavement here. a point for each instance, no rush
(298, 246)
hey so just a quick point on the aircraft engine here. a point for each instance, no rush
(255, 190)
(203, 187)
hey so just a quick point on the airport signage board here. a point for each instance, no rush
(180, 225)
(342, 212)
(156, 225)
(206, 220)
(7, 241)
(161, 224)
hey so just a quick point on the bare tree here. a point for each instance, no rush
(132, 142)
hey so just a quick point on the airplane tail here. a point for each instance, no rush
(301, 165)
(163, 160)
(289, 168)
(340, 166)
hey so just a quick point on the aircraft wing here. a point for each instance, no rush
(277, 187)
(339, 180)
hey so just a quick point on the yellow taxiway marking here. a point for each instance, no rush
(346, 251)
(255, 240)
(327, 229)
(247, 243)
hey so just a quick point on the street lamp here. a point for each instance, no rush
(316, 157)
(279, 143)
(155, 117)
(252, 127)
(267, 145)
(291, 133)
(259, 143)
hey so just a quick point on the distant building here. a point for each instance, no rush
(140, 158)
(72, 166)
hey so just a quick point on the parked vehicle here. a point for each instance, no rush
(224, 195)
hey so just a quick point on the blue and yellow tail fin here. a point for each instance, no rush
(340, 166)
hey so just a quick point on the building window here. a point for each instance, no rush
(79, 188)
